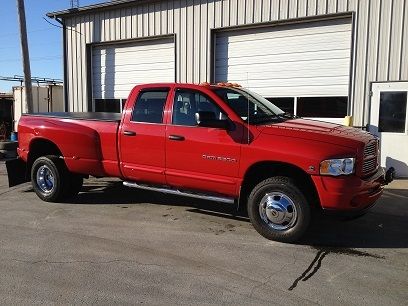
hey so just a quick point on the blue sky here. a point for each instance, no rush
(44, 40)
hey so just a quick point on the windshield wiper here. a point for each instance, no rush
(287, 115)
(265, 118)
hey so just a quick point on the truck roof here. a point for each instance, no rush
(192, 85)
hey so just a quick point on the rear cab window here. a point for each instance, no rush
(149, 106)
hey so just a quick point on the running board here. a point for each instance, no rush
(180, 193)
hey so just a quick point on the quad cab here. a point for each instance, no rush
(217, 142)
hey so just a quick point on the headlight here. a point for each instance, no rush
(336, 167)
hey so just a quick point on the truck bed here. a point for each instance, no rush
(93, 116)
(87, 141)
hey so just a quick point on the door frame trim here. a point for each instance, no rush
(371, 94)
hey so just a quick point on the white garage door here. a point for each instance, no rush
(308, 59)
(117, 68)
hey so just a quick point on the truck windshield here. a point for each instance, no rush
(250, 106)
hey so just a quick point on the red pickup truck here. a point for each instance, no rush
(218, 142)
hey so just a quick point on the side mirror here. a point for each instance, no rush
(208, 119)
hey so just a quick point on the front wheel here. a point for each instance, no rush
(278, 210)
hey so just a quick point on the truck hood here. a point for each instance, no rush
(319, 131)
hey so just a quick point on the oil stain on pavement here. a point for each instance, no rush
(322, 252)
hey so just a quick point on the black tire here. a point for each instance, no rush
(52, 181)
(286, 216)
(75, 183)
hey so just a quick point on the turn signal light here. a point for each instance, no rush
(336, 167)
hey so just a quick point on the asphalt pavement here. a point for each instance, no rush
(114, 245)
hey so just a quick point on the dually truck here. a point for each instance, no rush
(219, 142)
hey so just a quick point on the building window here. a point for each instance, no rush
(393, 107)
(108, 105)
(322, 107)
(149, 106)
(285, 104)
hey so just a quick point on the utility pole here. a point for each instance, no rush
(25, 55)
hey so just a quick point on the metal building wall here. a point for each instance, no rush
(380, 37)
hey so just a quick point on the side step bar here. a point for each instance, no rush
(180, 193)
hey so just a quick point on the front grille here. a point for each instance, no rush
(370, 149)
(370, 163)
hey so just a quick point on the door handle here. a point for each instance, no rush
(176, 137)
(129, 133)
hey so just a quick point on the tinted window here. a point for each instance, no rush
(285, 104)
(245, 102)
(322, 107)
(187, 103)
(149, 106)
(393, 108)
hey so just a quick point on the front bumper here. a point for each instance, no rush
(350, 194)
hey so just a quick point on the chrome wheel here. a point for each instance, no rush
(278, 211)
(45, 179)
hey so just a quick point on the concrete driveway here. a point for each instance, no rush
(123, 246)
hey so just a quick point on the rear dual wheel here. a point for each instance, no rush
(51, 180)
(278, 209)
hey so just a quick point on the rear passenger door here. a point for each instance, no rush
(200, 158)
(142, 137)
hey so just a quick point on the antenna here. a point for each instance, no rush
(74, 3)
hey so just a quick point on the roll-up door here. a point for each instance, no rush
(298, 60)
(117, 68)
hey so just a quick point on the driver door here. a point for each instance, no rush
(200, 158)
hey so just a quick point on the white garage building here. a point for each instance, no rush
(322, 59)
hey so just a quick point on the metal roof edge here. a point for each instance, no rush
(85, 9)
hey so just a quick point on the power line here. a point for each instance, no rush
(28, 32)
(49, 42)
(38, 59)
(40, 30)
(55, 25)
(58, 26)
